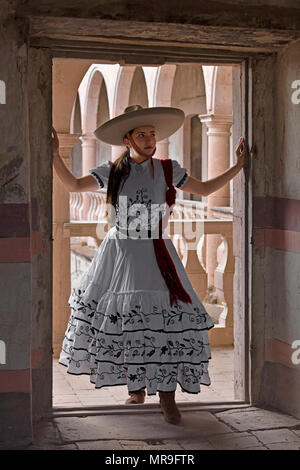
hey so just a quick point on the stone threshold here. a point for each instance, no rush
(59, 411)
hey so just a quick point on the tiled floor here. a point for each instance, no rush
(75, 391)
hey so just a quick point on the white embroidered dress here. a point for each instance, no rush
(122, 329)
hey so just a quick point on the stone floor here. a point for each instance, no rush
(250, 428)
(75, 391)
(206, 425)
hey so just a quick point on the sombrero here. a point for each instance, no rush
(166, 121)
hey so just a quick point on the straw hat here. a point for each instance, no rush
(166, 120)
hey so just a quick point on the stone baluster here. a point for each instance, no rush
(223, 281)
(190, 259)
(73, 201)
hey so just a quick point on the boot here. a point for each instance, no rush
(169, 408)
(136, 397)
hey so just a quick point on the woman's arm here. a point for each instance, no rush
(205, 188)
(73, 184)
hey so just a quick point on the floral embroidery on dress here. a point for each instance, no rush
(122, 329)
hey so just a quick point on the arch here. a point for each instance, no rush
(67, 77)
(76, 128)
(90, 89)
(209, 74)
(164, 85)
(188, 90)
(138, 93)
(76, 117)
(124, 94)
(192, 100)
(150, 74)
(103, 105)
(103, 150)
(91, 101)
(122, 91)
(222, 90)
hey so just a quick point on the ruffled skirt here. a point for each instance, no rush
(122, 329)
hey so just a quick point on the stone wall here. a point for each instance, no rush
(26, 179)
(18, 216)
(277, 225)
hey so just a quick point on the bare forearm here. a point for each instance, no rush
(73, 184)
(212, 185)
(205, 188)
(64, 174)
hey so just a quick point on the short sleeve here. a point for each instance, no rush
(180, 174)
(101, 173)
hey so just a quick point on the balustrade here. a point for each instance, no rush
(188, 229)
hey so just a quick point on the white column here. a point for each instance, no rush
(116, 151)
(88, 147)
(218, 162)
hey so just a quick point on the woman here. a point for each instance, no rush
(135, 322)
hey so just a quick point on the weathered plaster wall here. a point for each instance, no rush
(15, 233)
(40, 165)
(276, 191)
(263, 92)
(25, 194)
(277, 237)
(25, 244)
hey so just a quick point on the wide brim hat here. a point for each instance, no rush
(166, 120)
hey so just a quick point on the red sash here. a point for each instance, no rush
(163, 258)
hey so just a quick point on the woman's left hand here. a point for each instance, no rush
(240, 153)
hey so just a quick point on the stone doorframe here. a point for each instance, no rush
(42, 49)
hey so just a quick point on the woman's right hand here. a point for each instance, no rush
(55, 143)
(240, 153)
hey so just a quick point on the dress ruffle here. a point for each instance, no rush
(136, 338)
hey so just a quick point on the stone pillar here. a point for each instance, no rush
(116, 151)
(162, 149)
(88, 153)
(61, 247)
(218, 162)
(88, 147)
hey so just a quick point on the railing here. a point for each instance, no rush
(188, 230)
(95, 201)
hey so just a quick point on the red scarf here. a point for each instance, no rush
(163, 258)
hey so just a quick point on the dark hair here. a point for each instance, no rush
(119, 172)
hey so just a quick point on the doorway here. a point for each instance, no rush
(82, 95)
(64, 231)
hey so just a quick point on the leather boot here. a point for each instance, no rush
(169, 408)
(136, 397)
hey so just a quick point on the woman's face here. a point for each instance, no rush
(145, 139)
